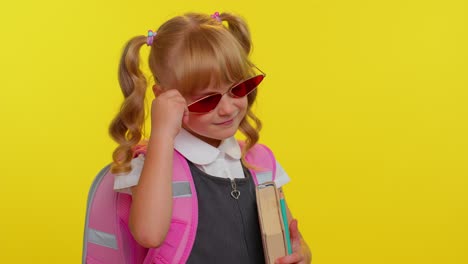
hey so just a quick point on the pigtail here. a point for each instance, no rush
(239, 29)
(126, 128)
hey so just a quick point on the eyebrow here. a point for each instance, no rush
(199, 95)
(195, 97)
(209, 91)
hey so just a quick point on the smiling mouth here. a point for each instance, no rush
(228, 122)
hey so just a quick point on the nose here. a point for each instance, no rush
(226, 106)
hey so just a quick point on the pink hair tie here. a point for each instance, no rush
(150, 38)
(216, 16)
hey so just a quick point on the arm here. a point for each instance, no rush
(301, 252)
(151, 209)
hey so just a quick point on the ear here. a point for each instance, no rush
(157, 90)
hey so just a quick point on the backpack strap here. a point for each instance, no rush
(180, 238)
(263, 160)
(132, 251)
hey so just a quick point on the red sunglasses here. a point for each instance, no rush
(208, 103)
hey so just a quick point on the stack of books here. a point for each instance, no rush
(273, 222)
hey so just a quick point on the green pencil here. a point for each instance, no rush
(286, 225)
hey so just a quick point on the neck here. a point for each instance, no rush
(212, 141)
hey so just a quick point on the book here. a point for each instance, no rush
(273, 222)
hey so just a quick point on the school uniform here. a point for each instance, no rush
(228, 228)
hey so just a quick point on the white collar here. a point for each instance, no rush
(202, 153)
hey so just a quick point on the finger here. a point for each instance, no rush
(295, 235)
(293, 258)
(173, 98)
(175, 92)
(170, 93)
(186, 116)
(176, 97)
(294, 230)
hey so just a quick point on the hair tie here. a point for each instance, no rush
(216, 16)
(150, 38)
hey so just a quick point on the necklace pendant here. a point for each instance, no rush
(235, 194)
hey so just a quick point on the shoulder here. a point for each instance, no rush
(257, 149)
(261, 154)
(124, 181)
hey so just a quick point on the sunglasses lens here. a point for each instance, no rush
(206, 104)
(210, 102)
(247, 86)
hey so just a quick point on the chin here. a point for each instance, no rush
(221, 135)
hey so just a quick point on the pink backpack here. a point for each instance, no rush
(107, 238)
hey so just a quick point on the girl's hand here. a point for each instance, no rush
(167, 113)
(301, 253)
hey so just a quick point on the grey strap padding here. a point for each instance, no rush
(102, 238)
(181, 189)
(264, 176)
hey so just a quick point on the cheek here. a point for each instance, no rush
(242, 104)
(198, 120)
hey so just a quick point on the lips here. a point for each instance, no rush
(227, 122)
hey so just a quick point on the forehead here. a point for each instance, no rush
(208, 66)
(213, 86)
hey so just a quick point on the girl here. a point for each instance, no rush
(204, 87)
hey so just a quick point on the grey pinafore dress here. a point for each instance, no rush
(228, 229)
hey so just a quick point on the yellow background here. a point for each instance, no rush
(364, 104)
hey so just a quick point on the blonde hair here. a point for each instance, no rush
(188, 52)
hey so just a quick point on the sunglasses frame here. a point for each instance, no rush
(229, 92)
